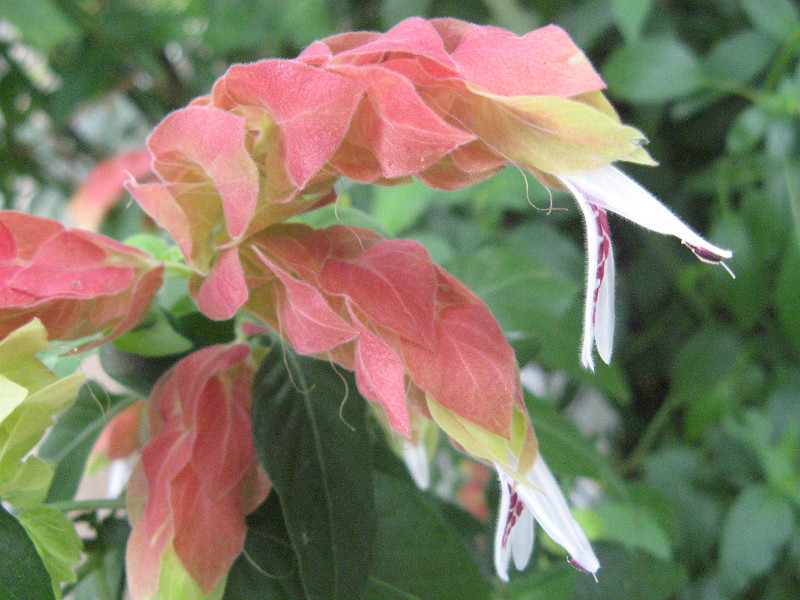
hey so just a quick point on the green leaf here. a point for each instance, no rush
(56, 541)
(651, 71)
(107, 554)
(779, 19)
(391, 12)
(567, 451)
(522, 294)
(42, 22)
(267, 567)
(398, 208)
(738, 58)
(417, 554)
(308, 425)
(631, 526)
(705, 377)
(22, 573)
(71, 439)
(26, 483)
(628, 575)
(554, 582)
(154, 336)
(676, 473)
(787, 298)
(631, 16)
(757, 527)
(744, 296)
(30, 396)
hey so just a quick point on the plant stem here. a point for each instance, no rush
(651, 433)
(89, 505)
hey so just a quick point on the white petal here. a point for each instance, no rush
(521, 539)
(613, 190)
(502, 552)
(416, 459)
(598, 313)
(592, 255)
(545, 500)
(513, 538)
(604, 310)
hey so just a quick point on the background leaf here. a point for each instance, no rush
(766, 522)
(651, 71)
(54, 536)
(23, 575)
(68, 443)
(631, 16)
(308, 425)
(416, 551)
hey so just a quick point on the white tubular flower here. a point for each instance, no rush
(415, 456)
(539, 498)
(608, 189)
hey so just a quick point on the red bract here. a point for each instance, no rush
(384, 309)
(77, 282)
(199, 475)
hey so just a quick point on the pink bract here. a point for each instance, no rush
(77, 282)
(199, 475)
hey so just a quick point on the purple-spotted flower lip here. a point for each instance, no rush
(538, 499)
(609, 189)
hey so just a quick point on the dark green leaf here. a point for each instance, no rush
(705, 377)
(267, 568)
(68, 443)
(42, 23)
(757, 527)
(631, 16)
(676, 474)
(22, 572)
(787, 298)
(740, 57)
(777, 18)
(308, 424)
(567, 450)
(139, 373)
(744, 296)
(555, 582)
(523, 296)
(417, 555)
(628, 575)
(391, 12)
(652, 71)
(154, 336)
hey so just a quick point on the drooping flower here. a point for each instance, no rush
(445, 101)
(528, 491)
(78, 283)
(608, 189)
(538, 499)
(198, 476)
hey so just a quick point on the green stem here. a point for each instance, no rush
(89, 505)
(793, 194)
(652, 432)
(781, 64)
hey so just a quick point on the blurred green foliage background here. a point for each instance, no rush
(694, 431)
